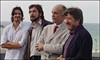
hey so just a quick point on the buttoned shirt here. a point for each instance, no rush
(18, 35)
(58, 25)
(68, 42)
(37, 29)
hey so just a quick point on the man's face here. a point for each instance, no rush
(71, 22)
(17, 15)
(57, 15)
(34, 14)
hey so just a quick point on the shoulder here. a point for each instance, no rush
(8, 27)
(84, 33)
(45, 23)
(24, 25)
(49, 26)
(48, 22)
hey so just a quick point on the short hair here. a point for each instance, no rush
(63, 8)
(76, 13)
(13, 12)
(39, 8)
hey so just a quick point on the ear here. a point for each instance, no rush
(78, 21)
(40, 14)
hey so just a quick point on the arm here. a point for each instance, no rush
(56, 48)
(10, 45)
(15, 45)
(23, 40)
(41, 38)
(84, 45)
(40, 43)
(61, 58)
(3, 42)
(53, 48)
(85, 48)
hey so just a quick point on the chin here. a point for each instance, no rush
(54, 21)
(70, 28)
(33, 20)
(17, 20)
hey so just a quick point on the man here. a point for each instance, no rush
(38, 23)
(52, 39)
(79, 44)
(14, 36)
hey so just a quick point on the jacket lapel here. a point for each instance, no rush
(59, 31)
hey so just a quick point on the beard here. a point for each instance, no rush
(33, 18)
(70, 26)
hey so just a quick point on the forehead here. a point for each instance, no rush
(17, 11)
(33, 8)
(57, 9)
(69, 16)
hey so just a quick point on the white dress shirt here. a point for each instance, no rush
(18, 35)
(36, 32)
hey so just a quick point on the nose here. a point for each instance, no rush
(53, 15)
(31, 14)
(66, 20)
(17, 14)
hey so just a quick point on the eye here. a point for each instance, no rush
(30, 11)
(15, 13)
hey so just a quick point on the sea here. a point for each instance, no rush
(93, 28)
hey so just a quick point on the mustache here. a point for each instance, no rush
(32, 17)
(68, 23)
(18, 17)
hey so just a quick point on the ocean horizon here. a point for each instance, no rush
(93, 29)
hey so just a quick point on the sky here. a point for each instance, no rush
(90, 9)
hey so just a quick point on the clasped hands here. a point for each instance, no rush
(39, 46)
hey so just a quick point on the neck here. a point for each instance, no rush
(58, 23)
(16, 24)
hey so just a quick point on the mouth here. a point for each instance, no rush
(68, 23)
(32, 18)
(18, 17)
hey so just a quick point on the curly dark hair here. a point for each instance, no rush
(13, 12)
(39, 8)
(76, 13)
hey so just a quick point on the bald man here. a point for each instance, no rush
(53, 36)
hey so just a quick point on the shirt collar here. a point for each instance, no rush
(59, 24)
(20, 25)
(40, 21)
(76, 29)
(34, 23)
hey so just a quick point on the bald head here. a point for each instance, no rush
(61, 8)
(58, 13)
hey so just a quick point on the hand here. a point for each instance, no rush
(61, 58)
(39, 46)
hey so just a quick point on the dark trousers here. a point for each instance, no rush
(35, 57)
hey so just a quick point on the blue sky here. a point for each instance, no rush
(90, 9)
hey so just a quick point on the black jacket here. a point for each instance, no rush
(80, 47)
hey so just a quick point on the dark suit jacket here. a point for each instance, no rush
(80, 47)
(27, 49)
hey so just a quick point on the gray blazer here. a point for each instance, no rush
(53, 42)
